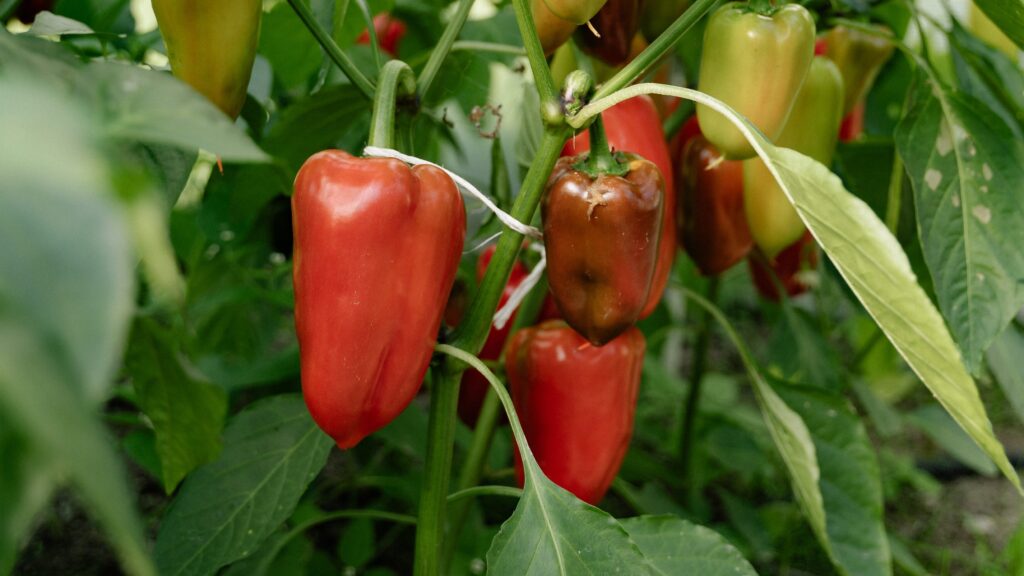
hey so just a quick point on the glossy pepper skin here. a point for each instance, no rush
(474, 386)
(551, 30)
(576, 403)
(860, 57)
(712, 225)
(575, 11)
(618, 23)
(812, 129)
(601, 236)
(788, 265)
(756, 64)
(635, 126)
(365, 340)
(212, 45)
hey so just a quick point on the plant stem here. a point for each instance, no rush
(892, 207)
(493, 47)
(396, 80)
(506, 491)
(430, 524)
(444, 46)
(538, 63)
(700, 355)
(653, 53)
(348, 67)
(472, 332)
(600, 160)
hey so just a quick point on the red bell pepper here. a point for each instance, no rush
(365, 340)
(635, 126)
(576, 403)
(389, 31)
(798, 257)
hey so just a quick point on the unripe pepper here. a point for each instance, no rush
(602, 217)
(617, 23)
(787, 267)
(576, 403)
(551, 30)
(212, 45)
(575, 11)
(712, 225)
(635, 126)
(365, 340)
(860, 57)
(812, 129)
(756, 64)
(474, 386)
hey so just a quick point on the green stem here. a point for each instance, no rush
(396, 80)
(550, 107)
(331, 48)
(492, 47)
(371, 31)
(892, 207)
(472, 332)
(675, 121)
(600, 160)
(444, 46)
(329, 517)
(653, 53)
(467, 493)
(700, 355)
(430, 524)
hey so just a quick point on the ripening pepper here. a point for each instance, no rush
(812, 130)
(601, 231)
(853, 124)
(617, 23)
(551, 30)
(474, 386)
(635, 126)
(756, 64)
(658, 15)
(575, 11)
(365, 340)
(787, 267)
(860, 57)
(712, 225)
(212, 46)
(389, 32)
(576, 403)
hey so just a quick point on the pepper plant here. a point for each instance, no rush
(243, 302)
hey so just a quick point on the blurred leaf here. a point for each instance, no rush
(1012, 554)
(26, 483)
(100, 15)
(169, 166)
(904, 558)
(235, 199)
(140, 446)
(130, 102)
(1006, 360)
(1008, 15)
(272, 451)
(849, 482)
(934, 421)
(49, 24)
(968, 175)
(888, 422)
(801, 353)
(187, 414)
(989, 76)
(357, 545)
(68, 271)
(237, 374)
(289, 47)
(866, 169)
(885, 101)
(676, 546)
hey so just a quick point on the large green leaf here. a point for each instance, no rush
(676, 546)
(967, 170)
(850, 481)
(272, 451)
(1008, 15)
(131, 103)
(186, 413)
(1006, 360)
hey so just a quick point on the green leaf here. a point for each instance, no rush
(289, 47)
(131, 103)
(272, 451)
(71, 278)
(1006, 360)
(26, 483)
(187, 414)
(357, 545)
(37, 398)
(676, 546)
(989, 76)
(50, 24)
(1008, 15)
(944, 431)
(967, 170)
(850, 480)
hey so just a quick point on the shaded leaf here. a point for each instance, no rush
(676, 546)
